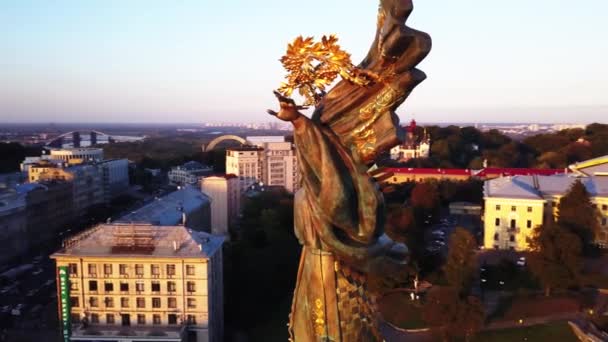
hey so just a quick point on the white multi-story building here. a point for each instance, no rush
(224, 192)
(272, 161)
(77, 155)
(125, 282)
(246, 163)
(189, 173)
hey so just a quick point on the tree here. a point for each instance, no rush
(451, 315)
(425, 195)
(576, 213)
(461, 261)
(556, 257)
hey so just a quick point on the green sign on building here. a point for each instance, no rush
(64, 297)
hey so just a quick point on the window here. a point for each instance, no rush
(108, 287)
(171, 270)
(139, 269)
(109, 302)
(172, 319)
(190, 270)
(73, 286)
(155, 269)
(75, 317)
(604, 221)
(529, 224)
(93, 270)
(513, 208)
(172, 302)
(529, 209)
(156, 302)
(123, 269)
(512, 238)
(141, 319)
(124, 287)
(94, 302)
(156, 319)
(126, 319)
(155, 286)
(191, 303)
(553, 204)
(92, 285)
(497, 222)
(171, 286)
(191, 319)
(498, 207)
(141, 302)
(513, 224)
(190, 286)
(74, 302)
(139, 286)
(107, 269)
(94, 318)
(73, 269)
(496, 237)
(124, 302)
(604, 207)
(109, 319)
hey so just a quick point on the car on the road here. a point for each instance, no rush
(521, 261)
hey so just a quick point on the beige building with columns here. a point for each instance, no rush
(143, 283)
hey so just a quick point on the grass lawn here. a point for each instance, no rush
(513, 308)
(557, 331)
(400, 311)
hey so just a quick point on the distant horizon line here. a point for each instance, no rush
(281, 122)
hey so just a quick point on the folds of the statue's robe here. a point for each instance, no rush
(336, 219)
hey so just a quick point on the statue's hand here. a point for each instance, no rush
(289, 110)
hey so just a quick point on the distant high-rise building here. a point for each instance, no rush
(224, 192)
(130, 282)
(270, 160)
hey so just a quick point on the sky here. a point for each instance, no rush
(200, 61)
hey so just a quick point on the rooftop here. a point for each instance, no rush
(141, 240)
(537, 187)
(167, 210)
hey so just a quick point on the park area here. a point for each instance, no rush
(556, 331)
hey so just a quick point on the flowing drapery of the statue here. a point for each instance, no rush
(339, 210)
(338, 219)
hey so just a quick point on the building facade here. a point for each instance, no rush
(245, 162)
(514, 206)
(141, 283)
(115, 177)
(189, 173)
(224, 192)
(77, 155)
(270, 160)
(414, 146)
(13, 223)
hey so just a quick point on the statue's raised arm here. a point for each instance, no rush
(339, 210)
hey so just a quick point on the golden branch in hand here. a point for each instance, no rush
(312, 66)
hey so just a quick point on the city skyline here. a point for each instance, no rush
(196, 62)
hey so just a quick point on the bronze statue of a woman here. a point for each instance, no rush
(339, 210)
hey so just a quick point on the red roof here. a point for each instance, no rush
(518, 172)
(489, 171)
(411, 170)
